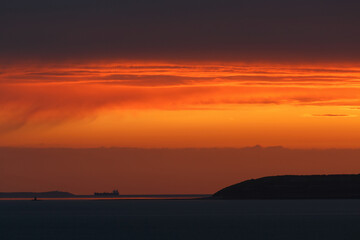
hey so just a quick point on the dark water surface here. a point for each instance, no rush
(180, 219)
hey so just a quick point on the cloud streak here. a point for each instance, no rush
(194, 74)
(55, 93)
(331, 115)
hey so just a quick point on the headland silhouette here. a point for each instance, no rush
(345, 186)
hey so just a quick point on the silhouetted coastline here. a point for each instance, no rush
(341, 186)
(346, 186)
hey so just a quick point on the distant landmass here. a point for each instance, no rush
(113, 194)
(52, 194)
(294, 187)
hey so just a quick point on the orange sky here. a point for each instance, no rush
(77, 76)
(152, 104)
(160, 171)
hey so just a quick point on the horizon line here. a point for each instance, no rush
(257, 146)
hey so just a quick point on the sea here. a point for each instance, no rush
(188, 219)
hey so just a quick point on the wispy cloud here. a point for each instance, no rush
(168, 75)
(58, 92)
(331, 115)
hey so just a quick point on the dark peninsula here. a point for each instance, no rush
(294, 187)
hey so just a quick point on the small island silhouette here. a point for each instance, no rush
(344, 186)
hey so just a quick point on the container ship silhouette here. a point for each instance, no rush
(113, 193)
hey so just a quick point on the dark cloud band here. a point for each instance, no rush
(257, 30)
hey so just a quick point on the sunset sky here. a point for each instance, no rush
(179, 74)
(180, 105)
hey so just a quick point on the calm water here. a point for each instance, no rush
(180, 219)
